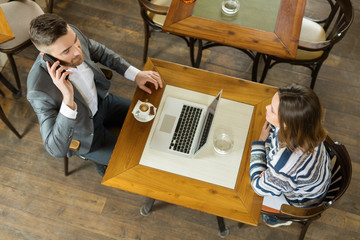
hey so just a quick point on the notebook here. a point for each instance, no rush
(184, 126)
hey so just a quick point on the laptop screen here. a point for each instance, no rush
(208, 123)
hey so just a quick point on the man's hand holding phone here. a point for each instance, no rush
(59, 76)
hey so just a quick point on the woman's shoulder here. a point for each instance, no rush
(284, 159)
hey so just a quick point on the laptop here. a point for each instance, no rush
(184, 126)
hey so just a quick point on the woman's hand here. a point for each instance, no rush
(265, 132)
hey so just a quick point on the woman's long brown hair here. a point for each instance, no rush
(300, 116)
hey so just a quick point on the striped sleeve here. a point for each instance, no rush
(258, 159)
(258, 171)
(261, 176)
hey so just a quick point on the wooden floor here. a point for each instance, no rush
(38, 202)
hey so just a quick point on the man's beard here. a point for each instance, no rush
(74, 62)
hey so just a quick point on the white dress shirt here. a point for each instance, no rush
(82, 78)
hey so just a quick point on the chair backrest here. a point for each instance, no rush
(336, 24)
(150, 9)
(341, 170)
(339, 20)
(340, 180)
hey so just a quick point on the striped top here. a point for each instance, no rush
(303, 179)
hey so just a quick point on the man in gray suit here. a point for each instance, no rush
(71, 96)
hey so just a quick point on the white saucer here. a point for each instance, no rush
(143, 118)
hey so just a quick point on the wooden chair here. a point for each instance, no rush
(340, 180)
(153, 14)
(75, 144)
(19, 15)
(317, 38)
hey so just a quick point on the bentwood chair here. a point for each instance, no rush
(153, 13)
(317, 38)
(19, 15)
(340, 180)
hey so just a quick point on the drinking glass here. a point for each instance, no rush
(230, 7)
(223, 141)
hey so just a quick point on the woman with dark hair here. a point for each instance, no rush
(290, 160)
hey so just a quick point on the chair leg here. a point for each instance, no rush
(7, 122)
(314, 75)
(266, 67)
(16, 93)
(250, 53)
(304, 229)
(66, 166)
(146, 41)
(49, 6)
(14, 69)
(195, 62)
(255, 67)
(223, 229)
(145, 210)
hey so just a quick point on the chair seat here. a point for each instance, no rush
(319, 35)
(28, 10)
(158, 18)
(311, 32)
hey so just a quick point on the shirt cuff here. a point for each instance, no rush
(258, 143)
(68, 112)
(131, 73)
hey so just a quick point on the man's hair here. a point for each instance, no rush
(300, 117)
(46, 29)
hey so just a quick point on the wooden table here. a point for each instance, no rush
(125, 172)
(5, 31)
(265, 26)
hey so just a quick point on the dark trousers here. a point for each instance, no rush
(111, 113)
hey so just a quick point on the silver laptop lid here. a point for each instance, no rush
(206, 127)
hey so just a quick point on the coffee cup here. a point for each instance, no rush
(144, 109)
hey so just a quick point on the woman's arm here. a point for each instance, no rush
(260, 172)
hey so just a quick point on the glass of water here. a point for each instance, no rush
(230, 7)
(223, 141)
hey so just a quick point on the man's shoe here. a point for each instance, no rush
(273, 222)
(100, 168)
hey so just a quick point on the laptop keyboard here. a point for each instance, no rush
(185, 129)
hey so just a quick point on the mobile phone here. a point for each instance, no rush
(52, 60)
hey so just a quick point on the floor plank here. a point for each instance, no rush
(38, 202)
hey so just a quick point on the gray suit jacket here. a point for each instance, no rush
(57, 131)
